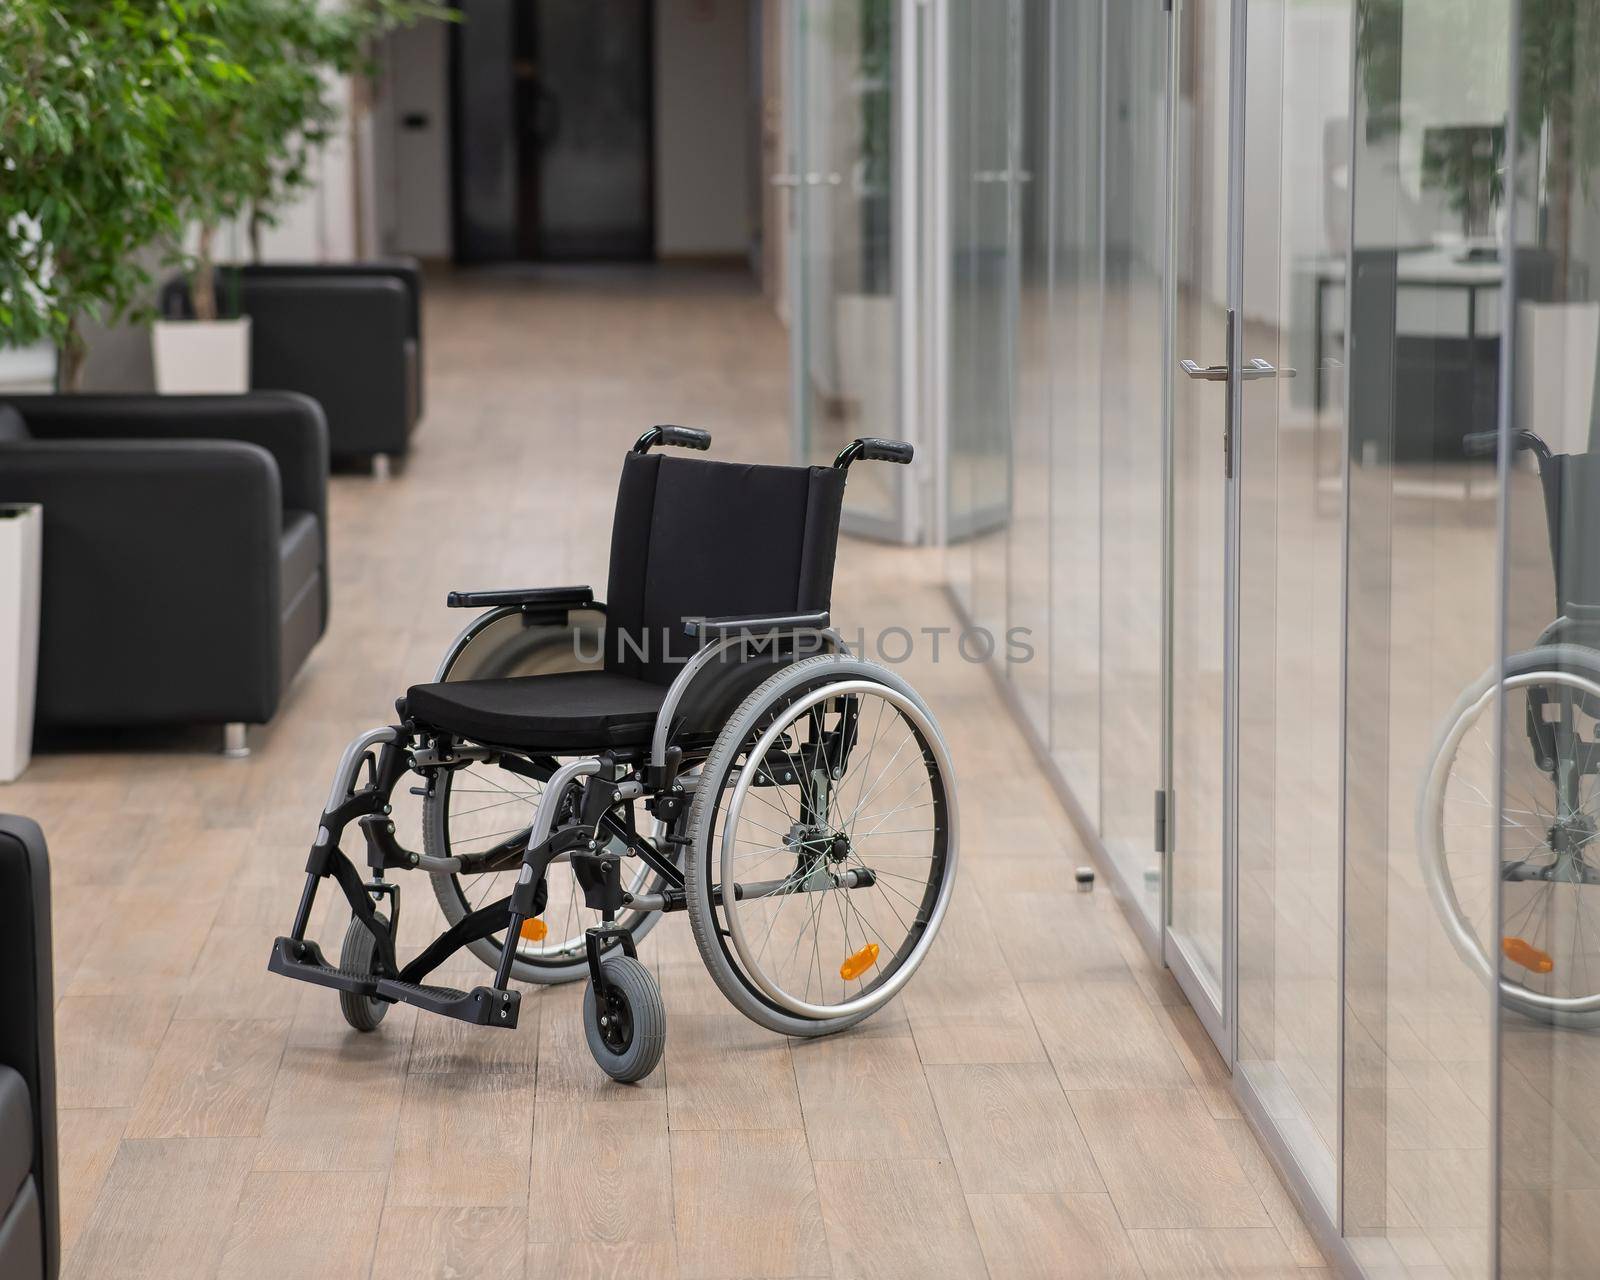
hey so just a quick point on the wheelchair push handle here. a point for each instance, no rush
(873, 449)
(681, 437)
(1485, 444)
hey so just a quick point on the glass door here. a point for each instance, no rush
(1201, 515)
(1294, 227)
(983, 268)
(847, 97)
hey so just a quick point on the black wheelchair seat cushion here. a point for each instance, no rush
(561, 711)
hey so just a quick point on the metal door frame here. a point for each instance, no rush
(1217, 1010)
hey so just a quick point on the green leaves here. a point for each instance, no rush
(124, 121)
(82, 129)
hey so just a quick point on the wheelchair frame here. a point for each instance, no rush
(585, 812)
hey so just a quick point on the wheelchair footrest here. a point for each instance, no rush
(482, 1005)
(305, 962)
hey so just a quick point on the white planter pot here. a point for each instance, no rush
(194, 356)
(1556, 344)
(21, 525)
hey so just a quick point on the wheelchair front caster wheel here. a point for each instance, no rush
(625, 1022)
(360, 955)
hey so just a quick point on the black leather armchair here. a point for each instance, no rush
(30, 1236)
(346, 334)
(185, 552)
(406, 270)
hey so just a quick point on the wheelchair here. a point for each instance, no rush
(1547, 961)
(701, 742)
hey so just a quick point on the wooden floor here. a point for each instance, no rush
(1040, 1102)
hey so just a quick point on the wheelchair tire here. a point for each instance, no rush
(817, 688)
(359, 954)
(1448, 859)
(629, 1044)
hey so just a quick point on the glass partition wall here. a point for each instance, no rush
(1548, 959)
(1053, 476)
(1316, 621)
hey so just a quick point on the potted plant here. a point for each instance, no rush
(263, 104)
(219, 138)
(85, 114)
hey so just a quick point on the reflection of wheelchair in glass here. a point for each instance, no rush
(720, 754)
(1547, 962)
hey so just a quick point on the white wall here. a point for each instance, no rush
(412, 164)
(703, 128)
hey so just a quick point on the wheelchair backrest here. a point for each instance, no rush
(1572, 509)
(693, 538)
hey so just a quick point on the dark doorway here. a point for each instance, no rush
(554, 130)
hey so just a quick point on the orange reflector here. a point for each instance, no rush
(534, 930)
(1527, 955)
(856, 965)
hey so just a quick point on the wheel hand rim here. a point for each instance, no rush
(930, 749)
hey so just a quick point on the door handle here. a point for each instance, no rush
(784, 180)
(1205, 373)
(1259, 368)
(824, 179)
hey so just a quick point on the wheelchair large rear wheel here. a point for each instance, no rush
(1544, 952)
(474, 808)
(823, 843)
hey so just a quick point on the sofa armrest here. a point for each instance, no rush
(404, 269)
(286, 424)
(160, 600)
(27, 1006)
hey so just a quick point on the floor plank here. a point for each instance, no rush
(1053, 1237)
(725, 1072)
(86, 1144)
(897, 1218)
(865, 1097)
(601, 1172)
(463, 1141)
(1214, 1255)
(210, 1080)
(164, 1210)
(1011, 1130)
(1157, 1179)
(105, 1046)
(746, 1204)
(303, 1224)
(592, 1260)
(450, 1244)
(1102, 1035)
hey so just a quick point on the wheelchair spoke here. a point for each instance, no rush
(854, 781)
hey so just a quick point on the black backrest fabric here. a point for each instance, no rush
(695, 538)
(27, 1002)
(13, 430)
(1572, 507)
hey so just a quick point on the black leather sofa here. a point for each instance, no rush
(347, 334)
(185, 575)
(30, 1238)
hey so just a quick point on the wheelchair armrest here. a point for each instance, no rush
(709, 629)
(549, 597)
